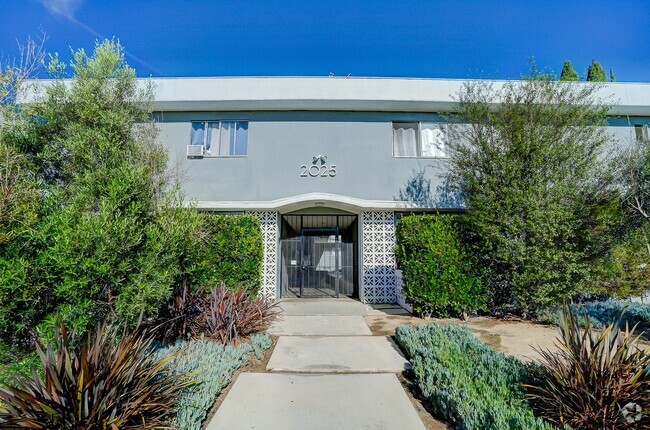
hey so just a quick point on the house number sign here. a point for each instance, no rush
(318, 168)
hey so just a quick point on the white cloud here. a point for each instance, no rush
(65, 8)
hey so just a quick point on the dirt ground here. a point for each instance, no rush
(517, 338)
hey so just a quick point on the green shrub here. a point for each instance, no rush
(438, 275)
(211, 365)
(601, 314)
(112, 382)
(16, 362)
(467, 382)
(230, 251)
(593, 380)
(104, 235)
(260, 343)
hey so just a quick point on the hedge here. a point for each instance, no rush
(230, 251)
(468, 383)
(438, 275)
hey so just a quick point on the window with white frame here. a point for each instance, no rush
(221, 138)
(420, 139)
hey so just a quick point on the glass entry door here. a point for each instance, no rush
(320, 267)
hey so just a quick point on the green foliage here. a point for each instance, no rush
(230, 251)
(438, 275)
(568, 73)
(612, 76)
(527, 168)
(106, 238)
(16, 362)
(211, 366)
(260, 343)
(593, 380)
(631, 256)
(112, 382)
(467, 382)
(596, 73)
(602, 314)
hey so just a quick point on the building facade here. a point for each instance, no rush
(328, 165)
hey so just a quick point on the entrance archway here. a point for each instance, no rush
(318, 256)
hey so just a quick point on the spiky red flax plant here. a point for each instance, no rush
(594, 379)
(226, 315)
(113, 382)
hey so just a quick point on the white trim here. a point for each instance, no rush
(302, 201)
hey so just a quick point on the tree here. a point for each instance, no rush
(14, 72)
(568, 73)
(526, 167)
(612, 77)
(632, 254)
(110, 239)
(596, 73)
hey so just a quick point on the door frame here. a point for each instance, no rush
(337, 251)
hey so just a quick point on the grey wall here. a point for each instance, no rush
(359, 144)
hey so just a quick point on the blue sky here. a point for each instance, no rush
(450, 39)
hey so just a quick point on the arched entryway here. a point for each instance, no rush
(319, 254)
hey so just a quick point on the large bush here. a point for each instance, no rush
(528, 169)
(594, 380)
(468, 383)
(230, 251)
(438, 275)
(106, 237)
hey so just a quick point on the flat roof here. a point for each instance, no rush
(347, 94)
(363, 94)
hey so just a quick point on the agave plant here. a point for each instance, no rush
(225, 315)
(113, 382)
(595, 380)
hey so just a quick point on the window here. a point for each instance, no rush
(221, 138)
(641, 133)
(420, 139)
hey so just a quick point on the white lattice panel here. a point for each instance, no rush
(378, 279)
(269, 224)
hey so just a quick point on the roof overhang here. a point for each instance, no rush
(343, 94)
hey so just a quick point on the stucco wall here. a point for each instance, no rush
(358, 144)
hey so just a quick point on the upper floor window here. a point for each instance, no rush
(420, 139)
(220, 138)
(641, 133)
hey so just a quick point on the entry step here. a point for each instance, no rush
(366, 354)
(319, 325)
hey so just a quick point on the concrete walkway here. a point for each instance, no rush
(326, 372)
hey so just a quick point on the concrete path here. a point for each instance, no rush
(316, 402)
(336, 354)
(326, 372)
(320, 325)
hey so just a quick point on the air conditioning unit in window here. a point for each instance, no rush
(195, 151)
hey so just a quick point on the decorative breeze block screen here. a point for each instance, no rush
(269, 224)
(378, 234)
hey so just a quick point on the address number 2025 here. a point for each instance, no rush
(316, 171)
